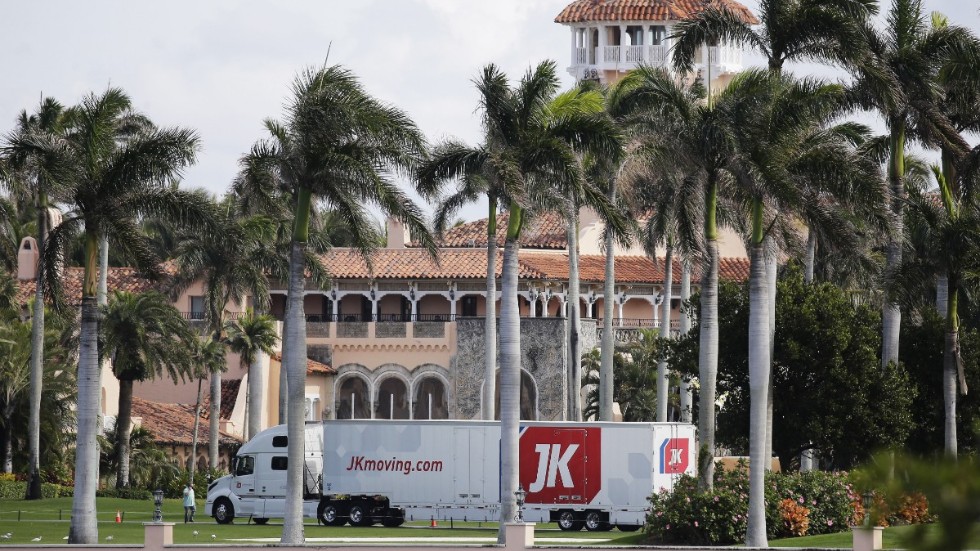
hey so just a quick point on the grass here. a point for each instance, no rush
(892, 538)
(49, 519)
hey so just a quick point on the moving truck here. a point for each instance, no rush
(592, 475)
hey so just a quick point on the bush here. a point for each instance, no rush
(821, 504)
(17, 490)
(141, 494)
(174, 487)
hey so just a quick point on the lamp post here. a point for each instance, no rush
(158, 503)
(521, 494)
(867, 500)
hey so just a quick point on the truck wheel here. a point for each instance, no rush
(594, 522)
(260, 521)
(358, 515)
(223, 511)
(628, 527)
(568, 521)
(390, 522)
(330, 515)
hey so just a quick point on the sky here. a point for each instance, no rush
(221, 67)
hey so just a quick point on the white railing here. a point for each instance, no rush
(656, 55)
(634, 54)
(580, 56)
(610, 54)
(726, 55)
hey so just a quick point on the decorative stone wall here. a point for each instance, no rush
(318, 329)
(543, 357)
(429, 329)
(322, 353)
(389, 330)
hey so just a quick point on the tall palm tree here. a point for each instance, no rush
(340, 147)
(110, 186)
(40, 169)
(899, 81)
(224, 262)
(248, 336)
(471, 169)
(144, 337)
(208, 356)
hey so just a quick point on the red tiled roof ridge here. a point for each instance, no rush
(174, 423)
(581, 11)
(312, 366)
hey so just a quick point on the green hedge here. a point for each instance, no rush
(691, 517)
(18, 489)
(141, 494)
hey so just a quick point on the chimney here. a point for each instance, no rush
(27, 257)
(397, 234)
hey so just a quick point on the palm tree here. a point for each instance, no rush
(40, 168)
(110, 186)
(144, 337)
(248, 336)
(338, 147)
(899, 82)
(208, 356)
(224, 262)
(471, 169)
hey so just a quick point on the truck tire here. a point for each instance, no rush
(390, 522)
(359, 516)
(260, 521)
(330, 514)
(223, 511)
(595, 523)
(628, 527)
(568, 521)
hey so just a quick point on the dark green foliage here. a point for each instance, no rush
(635, 384)
(922, 353)
(718, 517)
(174, 487)
(17, 489)
(829, 389)
(141, 494)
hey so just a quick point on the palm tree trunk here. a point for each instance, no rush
(294, 364)
(510, 380)
(214, 419)
(891, 318)
(665, 332)
(103, 294)
(490, 319)
(84, 527)
(950, 350)
(771, 258)
(574, 403)
(37, 357)
(123, 431)
(283, 382)
(254, 399)
(192, 467)
(811, 255)
(8, 441)
(708, 344)
(687, 395)
(758, 390)
(608, 338)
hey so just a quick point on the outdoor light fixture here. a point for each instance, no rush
(158, 502)
(521, 494)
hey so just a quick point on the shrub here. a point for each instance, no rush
(141, 494)
(795, 517)
(18, 489)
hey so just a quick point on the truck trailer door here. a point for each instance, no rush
(561, 465)
(469, 460)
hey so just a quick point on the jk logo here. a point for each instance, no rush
(552, 466)
(674, 455)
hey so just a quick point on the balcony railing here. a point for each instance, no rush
(361, 318)
(201, 316)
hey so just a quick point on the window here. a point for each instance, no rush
(469, 306)
(279, 463)
(197, 308)
(312, 408)
(244, 465)
(280, 441)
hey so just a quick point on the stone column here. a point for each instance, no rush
(623, 39)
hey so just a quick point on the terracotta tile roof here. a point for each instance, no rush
(229, 396)
(545, 231)
(629, 269)
(414, 264)
(174, 423)
(645, 10)
(119, 279)
(313, 367)
(733, 269)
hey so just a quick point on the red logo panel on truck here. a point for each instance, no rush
(561, 465)
(674, 453)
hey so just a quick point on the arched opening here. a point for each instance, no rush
(529, 397)
(353, 399)
(392, 400)
(431, 400)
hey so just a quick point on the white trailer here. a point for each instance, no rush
(596, 475)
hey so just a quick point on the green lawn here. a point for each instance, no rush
(891, 539)
(48, 518)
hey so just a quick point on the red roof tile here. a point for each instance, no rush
(414, 264)
(229, 397)
(629, 269)
(174, 423)
(645, 10)
(313, 367)
(545, 231)
(119, 279)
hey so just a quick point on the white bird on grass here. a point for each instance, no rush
(37, 539)
(108, 538)
(213, 536)
(6, 536)
(65, 538)
(194, 533)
